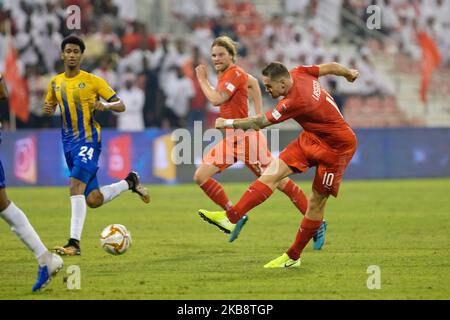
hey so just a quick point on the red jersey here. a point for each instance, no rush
(314, 109)
(234, 81)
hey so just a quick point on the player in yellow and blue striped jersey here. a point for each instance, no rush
(77, 93)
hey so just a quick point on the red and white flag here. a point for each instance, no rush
(431, 59)
(17, 86)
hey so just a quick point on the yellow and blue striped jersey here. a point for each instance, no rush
(76, 97)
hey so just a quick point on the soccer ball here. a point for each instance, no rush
(115, 239)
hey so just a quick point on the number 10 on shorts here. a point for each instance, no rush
(328, 179)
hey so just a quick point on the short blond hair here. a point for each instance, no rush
(227, 43)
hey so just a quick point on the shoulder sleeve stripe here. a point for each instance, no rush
(114, 96)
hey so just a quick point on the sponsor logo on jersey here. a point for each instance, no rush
(276, 114)
(316, 90)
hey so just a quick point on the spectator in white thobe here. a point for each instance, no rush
(133, 98)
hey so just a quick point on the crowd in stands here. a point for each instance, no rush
(402, 19)
(154, 73)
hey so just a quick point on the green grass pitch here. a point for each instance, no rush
(401, 226)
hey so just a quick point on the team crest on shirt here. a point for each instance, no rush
(82, 85)
(230, 87)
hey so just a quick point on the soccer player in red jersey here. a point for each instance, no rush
(327, 142)
(231, 95)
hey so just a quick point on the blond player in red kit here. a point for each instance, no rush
(327, 143)
(231, 95)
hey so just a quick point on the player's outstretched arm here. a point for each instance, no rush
(215, 97)
(338, 69)
(3, 90)
(115, 105)
(255, 93)
(255, 123)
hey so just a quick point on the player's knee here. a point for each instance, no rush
(283, 183)
(94, 200)
(4, 201)
(4, 204)
(199, 178)
(93, 204)
(76, 187)
(76, 190)
(270, 180)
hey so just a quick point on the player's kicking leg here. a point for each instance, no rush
(309, 226)
(49, 263)
(256, 194)
(96, 197)
(219, 219)
(100, 196)
(298, 198)
(134, 184)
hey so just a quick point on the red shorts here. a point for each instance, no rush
(249, 147)
(308, 151)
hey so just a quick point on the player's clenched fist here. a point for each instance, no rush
(220, 123)
(100, 106)
(49, 108)
(201, 71)
(352, 75)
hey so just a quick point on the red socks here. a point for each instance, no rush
(307, 230)
(216, 193)
(297, 196)
(256, 194)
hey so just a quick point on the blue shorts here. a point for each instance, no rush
(83, 164)
(2, 177)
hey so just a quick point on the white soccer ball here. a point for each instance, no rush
(115, 239)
